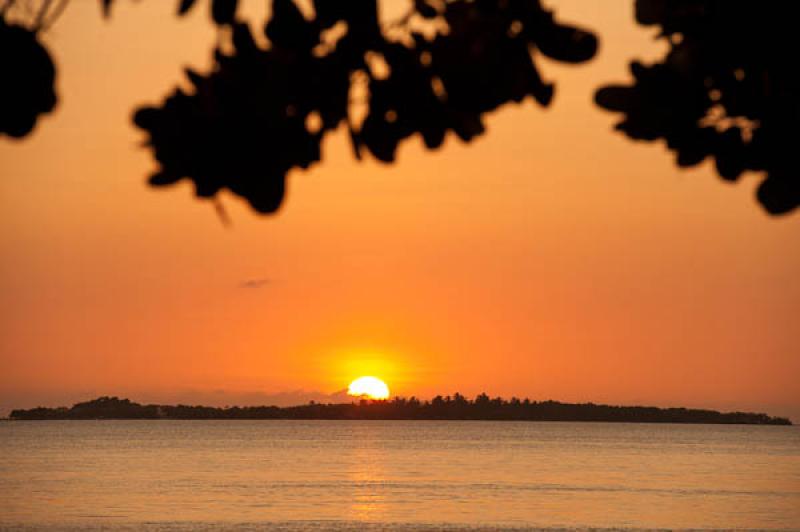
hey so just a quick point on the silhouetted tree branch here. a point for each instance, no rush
(725, 88)
(261, 112)
(27, 89)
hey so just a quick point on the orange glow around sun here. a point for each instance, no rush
(371, 387)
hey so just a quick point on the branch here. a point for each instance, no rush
(59, 9)
(7, 6)
(41, 14)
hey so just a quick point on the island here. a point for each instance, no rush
(455, 407)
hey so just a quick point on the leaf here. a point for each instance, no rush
(28, 82)
(361, 17)
(223, 12)
(425, 9)
(185, 6)
(355, 141)
(243, 39)
(615, 98)
(650, 11)
(107, 7)
(162, 179)
(570, 45)
(288, 28)
(730, 154)
(194, 77)
(779, 193)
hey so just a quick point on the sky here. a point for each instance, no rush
(552, 258)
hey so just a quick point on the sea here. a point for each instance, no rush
(288, 475)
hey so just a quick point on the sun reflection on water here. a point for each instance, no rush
(367, 474)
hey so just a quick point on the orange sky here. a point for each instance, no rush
(552, 258)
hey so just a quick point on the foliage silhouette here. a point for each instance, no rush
(27, 89)
(262, 112)
(456, 407)
(726, 89)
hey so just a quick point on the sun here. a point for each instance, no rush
(371, 387)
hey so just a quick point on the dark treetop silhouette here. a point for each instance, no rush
(724, 89)
(456, 407)
(261, 112)
(728, 88)
(28, 90)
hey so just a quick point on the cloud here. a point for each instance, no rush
(255, 283)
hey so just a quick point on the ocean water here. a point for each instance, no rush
(406, 475)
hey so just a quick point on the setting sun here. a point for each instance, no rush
(372, 387)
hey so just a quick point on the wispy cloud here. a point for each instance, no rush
(255, 283)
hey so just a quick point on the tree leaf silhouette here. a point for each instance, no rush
(223, 11)
(726, 89)
(250, 120)
(185, 6)
(27, 90)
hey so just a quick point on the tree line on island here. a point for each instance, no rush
(456, 407)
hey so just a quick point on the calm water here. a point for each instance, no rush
(293, 475)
